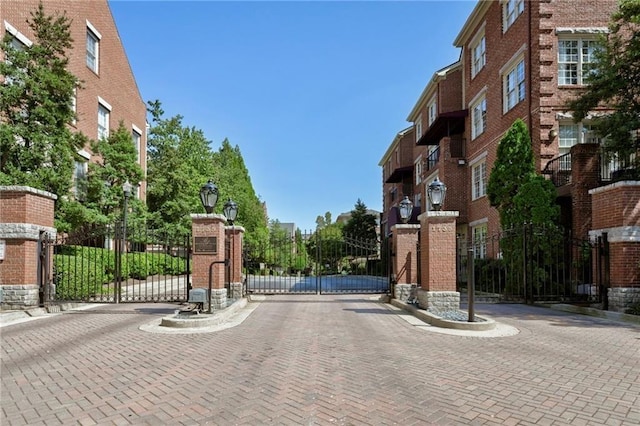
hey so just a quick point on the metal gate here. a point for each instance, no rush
(534, 264)
(322, 262)
(111, 264)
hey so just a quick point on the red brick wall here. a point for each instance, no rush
(208, 226)
(235, 235)
(438, 252)
(115, 82)
(617, 206)
(26, 207)
(585, 175)
(405, 239)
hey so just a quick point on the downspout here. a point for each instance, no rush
(530, 80)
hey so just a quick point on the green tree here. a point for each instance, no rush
(180, 161)
(613, 85)
(361, 225)
(37, 147)
(327, 245)
(105, 180)
(514, 166)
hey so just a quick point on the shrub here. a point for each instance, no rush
(634, 309)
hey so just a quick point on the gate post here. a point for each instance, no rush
(404, 260)
(235, 234)
(26, 217)
(208, 232)
(438, 261)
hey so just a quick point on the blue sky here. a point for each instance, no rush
(312, 92)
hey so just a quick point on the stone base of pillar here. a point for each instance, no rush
(19, 296)
(439, 300)
(237, 290)
(621, 298)
(218, 298)
(405, 292)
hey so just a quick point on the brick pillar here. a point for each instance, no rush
(616, 211)
(404, 241)
(585, 175)
(438, 261)
(235, 234)
(26, 215)
(208, 246)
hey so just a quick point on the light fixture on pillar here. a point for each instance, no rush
(230, 210)
(209, 196)
(406, 208)
(436, 192)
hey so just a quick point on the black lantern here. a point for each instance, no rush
(209, 196)
(230, 210)
(406, 208)
(436, 193)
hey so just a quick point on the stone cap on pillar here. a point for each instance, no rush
(407, 226)
(235, 228)
(216, 216)
(443, 214)
(27, 189)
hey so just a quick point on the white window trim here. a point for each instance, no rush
(17, 34)
(472, 46)
(84, 154)
(473, 167)
(479, 158)
(417, 166)
(136, 129)
(478, 222)
(505, 23)
(581, 35)
(94, 30)
(432, 103)
(104, 103)
(476, 99)
(418, 126)
(510, 65)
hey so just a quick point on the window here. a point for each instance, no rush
(74, 105)
(393, 194)
(479, 183)
(570, 134)
(479, 117)
(479, 238)
(417, 200)
(511, 9)
(418, 169)
(93, 48)
(80, 180)
(514, 86)
(432, 110)
(104, 110)
(575, 59)
(136, 135)
(418, 124)
(478, 56)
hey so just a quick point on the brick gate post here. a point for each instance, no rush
(404, 240)
(438, 261)
(235, 235)
(616, 211)
(25, 214)
(208, 232)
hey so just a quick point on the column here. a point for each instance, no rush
(208, 256)
(438, 261)
(404, 240)
(235, 236)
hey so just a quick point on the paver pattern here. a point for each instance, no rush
(316, 360)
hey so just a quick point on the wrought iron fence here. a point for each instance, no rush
(534, 264)
(105, 264)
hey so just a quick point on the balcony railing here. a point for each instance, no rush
(558, 170)
(615, 167)
(432, 159)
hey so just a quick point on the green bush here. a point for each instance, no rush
(634, 309)
(75, 278)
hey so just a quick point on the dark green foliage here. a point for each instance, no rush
(327, 245)
(614, 84)
(361, 225)
(36, 146)
(634, 309)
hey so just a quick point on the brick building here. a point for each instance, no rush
(519, 60)
(109, 93)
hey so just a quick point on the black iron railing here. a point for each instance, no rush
(558, 170)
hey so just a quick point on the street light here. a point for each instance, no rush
(436, 193)
(230, 210)
(209, 196)
(406, 208)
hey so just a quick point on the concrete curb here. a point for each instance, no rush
(429, 318)
(593, 312)
(204, 320)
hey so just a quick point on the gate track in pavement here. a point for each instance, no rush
(330, 359)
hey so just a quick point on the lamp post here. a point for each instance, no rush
(436, 191)
(230, 211)
(209, 196)
(406, 208)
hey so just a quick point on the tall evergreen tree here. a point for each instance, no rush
(37, 147)
(361, 225)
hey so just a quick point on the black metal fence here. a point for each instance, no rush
(534, 264)
(322, 262)
(108, 265)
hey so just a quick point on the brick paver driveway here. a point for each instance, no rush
(319, 360)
